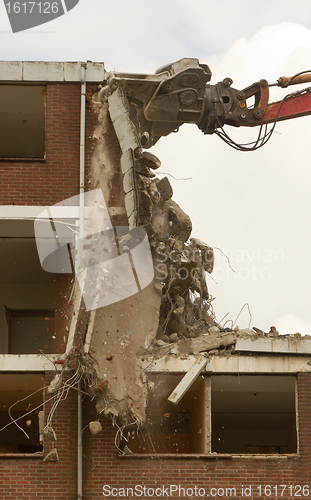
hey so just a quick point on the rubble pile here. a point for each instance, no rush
(218, 341)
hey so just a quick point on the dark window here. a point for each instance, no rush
(22, 121)
(253, 414)
(27, 292)
(20, 393)
(31, 332)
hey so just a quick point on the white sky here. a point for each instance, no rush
(253, 206)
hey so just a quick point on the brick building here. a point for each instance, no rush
(240, 423)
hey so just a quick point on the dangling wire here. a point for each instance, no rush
(262, 138)
(295, 76)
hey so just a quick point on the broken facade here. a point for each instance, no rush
(173, 383)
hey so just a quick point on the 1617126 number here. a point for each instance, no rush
(32, 7)
(281, 490)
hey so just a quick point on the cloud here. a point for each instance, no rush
(214, 26)
(271, 51)
(293, 324)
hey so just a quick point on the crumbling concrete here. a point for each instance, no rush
(49, 433)
(204, 343)
(52, 456)
(95, 427)
(121, 333)
(176, 305)
(173, 315)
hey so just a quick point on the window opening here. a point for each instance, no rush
(27, 292)
(22, 121)
(31, 332)
(221, 414)
(253, 414)
(21, 392)
(169, 427)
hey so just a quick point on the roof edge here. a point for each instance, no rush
(43, 71)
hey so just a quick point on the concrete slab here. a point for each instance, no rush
(286, 345)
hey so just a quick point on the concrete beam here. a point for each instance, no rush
(230, 364)
(28, 362)
(21, 212)
(42, 71)
(187, 381)
(286, 345)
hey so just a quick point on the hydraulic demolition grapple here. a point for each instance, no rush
(181, 93)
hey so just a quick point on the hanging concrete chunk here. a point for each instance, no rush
(52, 456)
(165, 189)
(180, 222)
(95, 427)
(204, 343)
(129, 181)
(142, 169)
(127, 161)
(55, 384)
(123, 125)
(49, 433)
(207, 254)
(150, 160)
(130, 203)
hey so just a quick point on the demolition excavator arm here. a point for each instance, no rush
(181, 93)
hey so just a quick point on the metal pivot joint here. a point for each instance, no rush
(181, 93)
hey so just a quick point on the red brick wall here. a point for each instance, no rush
(102, 465)
(57, 177)
(31, 478)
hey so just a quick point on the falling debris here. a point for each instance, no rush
(127, 451)
(55, 384)
(204, 343)
(172, 316)
(52, 456)
(177, 304)
(187, 381)
(49, 433)
(95, 427)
